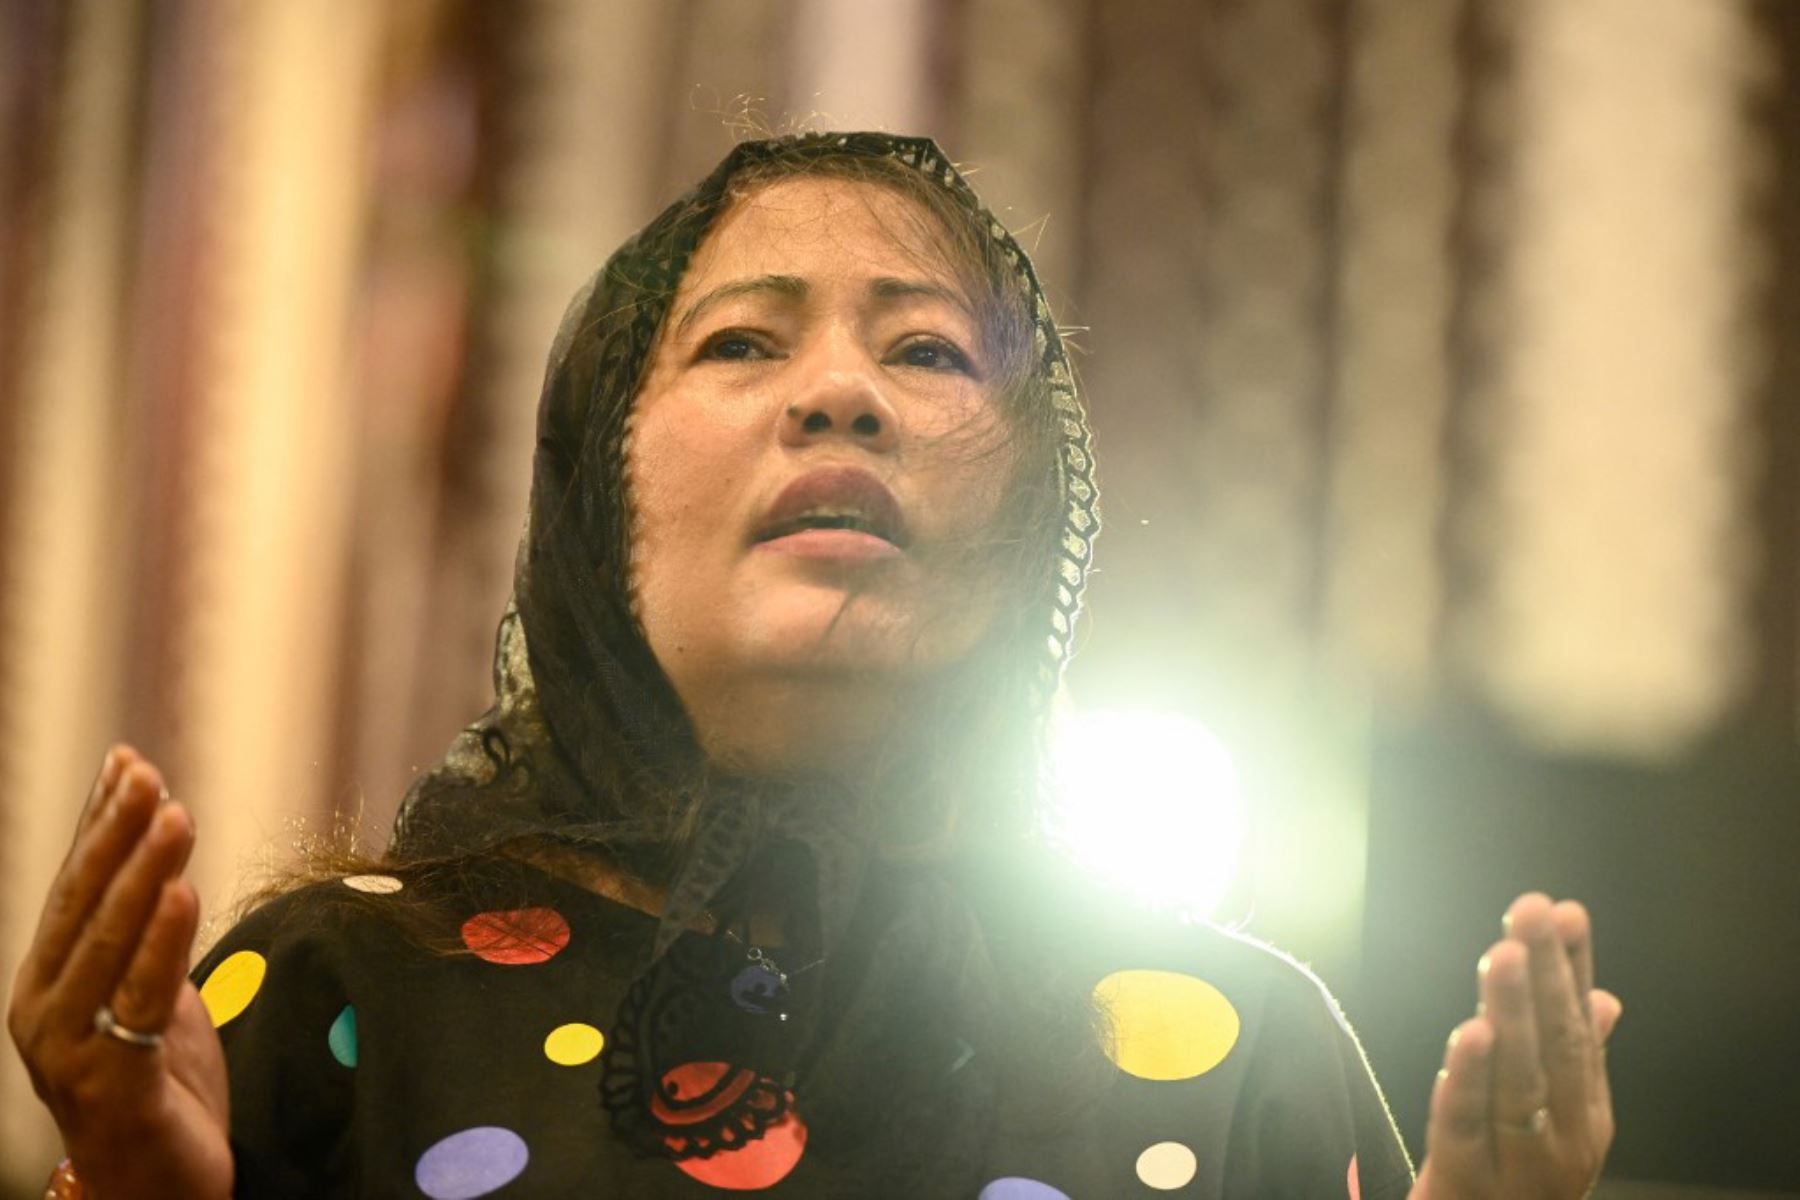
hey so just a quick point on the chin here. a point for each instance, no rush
(826, 633)
(900, 650)
(848, 646)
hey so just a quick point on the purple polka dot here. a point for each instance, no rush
(1015, 1188)
(471, 1163)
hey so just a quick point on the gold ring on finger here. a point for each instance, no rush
(1531, 1126)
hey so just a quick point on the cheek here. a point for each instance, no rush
(659, 485)
(684, 481)
(981, 508)
(970, 473)
(682, 477)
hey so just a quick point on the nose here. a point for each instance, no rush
(842, 395)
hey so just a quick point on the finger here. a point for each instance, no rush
(1608, 1008)
(1458, 1136)
(1576, 930)
(90, 867)
(1519, 1086)
(145, 998)
(1566, 1044)
(112, 765)
(110, 941)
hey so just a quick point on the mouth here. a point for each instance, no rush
(835, 509)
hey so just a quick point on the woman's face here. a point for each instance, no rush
(814, 448)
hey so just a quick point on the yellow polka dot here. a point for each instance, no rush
(233, 984)
(1167, 1166)
(1166, 1025)
(573, 1044)
(375, 885)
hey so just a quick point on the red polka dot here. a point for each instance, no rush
(759, 1163)
(704, 1090)
(762, 1163)
(517, 937)
(1354, 1183)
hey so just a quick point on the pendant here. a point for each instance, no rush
(760, 986)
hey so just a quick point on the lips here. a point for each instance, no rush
(844, 498)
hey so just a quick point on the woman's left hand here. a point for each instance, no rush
(1522, 1107)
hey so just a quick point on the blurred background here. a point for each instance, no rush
(1444, 359)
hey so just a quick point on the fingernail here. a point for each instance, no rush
(1482, 964)
(1506, 922)
(1455, 1036)
(112, 775)
(115, 796)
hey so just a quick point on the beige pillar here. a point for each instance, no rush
(258, 638)
(1615, 531)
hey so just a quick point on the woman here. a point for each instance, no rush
(738, 885)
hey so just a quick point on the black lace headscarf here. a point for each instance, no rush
(588, 746)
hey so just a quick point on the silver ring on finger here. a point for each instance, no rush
(105, 1022)
(1531, 1126)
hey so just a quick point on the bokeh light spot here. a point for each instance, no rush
(1149, 803)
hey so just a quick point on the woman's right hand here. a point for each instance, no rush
(116, 932)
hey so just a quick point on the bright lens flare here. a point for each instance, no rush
(1149, 803)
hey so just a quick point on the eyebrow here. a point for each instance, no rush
(887, 288)
(788, 287)
(792, 287)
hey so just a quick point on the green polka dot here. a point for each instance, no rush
(342, 1038)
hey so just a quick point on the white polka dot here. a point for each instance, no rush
(375, 885)
(1167, 1166)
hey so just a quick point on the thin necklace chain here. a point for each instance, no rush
(762, 958)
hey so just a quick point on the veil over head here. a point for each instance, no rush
(569, 651)
(584, 723)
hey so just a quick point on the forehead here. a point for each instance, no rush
(821, 227)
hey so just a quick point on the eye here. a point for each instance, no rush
(734, 345)
(933, 354)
